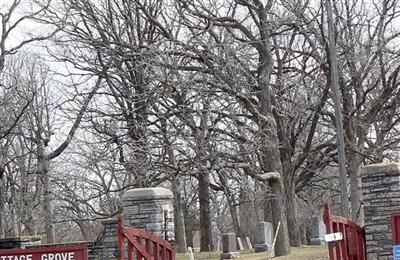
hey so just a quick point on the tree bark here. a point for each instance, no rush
(293, 228)
(2, 191)
(2, 204)
(235, 219)
(271, 158)
(205, 216)
(357, 214)
(48, 208)
(282, 246)
(12, 205)
(179, 221)
(43, 172)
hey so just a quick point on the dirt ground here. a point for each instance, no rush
(303, 253)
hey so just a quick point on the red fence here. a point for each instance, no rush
(142, 244)
(352, 247)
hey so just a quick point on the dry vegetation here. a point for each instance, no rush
(302, 253)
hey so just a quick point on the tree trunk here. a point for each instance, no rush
(357, 213)
(293, 227)
(282, 246)
(48, 208)
(235, 219)
(205, 216)
(26, 201)
(271, 158)
(45, 178)
(272, 163)
(289, 188)
(2, 191)
(355, 137)
(2, 204)
(14, 222)
(179, 221)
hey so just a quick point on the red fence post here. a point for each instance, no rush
(329, 229)
(156, 250)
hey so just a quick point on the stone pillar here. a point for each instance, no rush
(150, 209)
(381, 197)
(106, 245)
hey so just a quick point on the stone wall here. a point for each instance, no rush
(105, 247)
(381, 197)
(20, 242)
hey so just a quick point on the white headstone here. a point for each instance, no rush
(249, 245)
(240, 244)
(218, 244)
(190, 253)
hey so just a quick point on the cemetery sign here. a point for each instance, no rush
(76, 252)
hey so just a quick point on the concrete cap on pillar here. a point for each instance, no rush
(147, 194)
(387, 168)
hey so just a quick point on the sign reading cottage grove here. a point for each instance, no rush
(46, 253)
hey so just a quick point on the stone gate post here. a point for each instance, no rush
(381, 197)
(150, 209)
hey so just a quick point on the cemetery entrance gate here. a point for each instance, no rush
(352, 246)
(142, 244)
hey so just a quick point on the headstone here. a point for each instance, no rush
(264, 237)
(249, 245)
(318, 231)
(240, 244)
(214, 238)
(229, 249)
(218, 244)
(196, 241)
(190, 253)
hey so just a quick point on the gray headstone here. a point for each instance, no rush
(196, 241)
(318, 231)
(229, 246)
(229, 242)
(264, 237)
(249, 245)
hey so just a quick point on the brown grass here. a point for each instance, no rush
(302, 253)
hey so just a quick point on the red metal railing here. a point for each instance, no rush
(352, 247)
(142, 244)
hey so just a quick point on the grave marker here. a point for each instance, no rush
(240, 244)
(249, 245)
(264, 237)
(190, 252)
(229, 249)
(318, 231)
(196, 241)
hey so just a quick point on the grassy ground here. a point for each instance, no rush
(303, 253)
